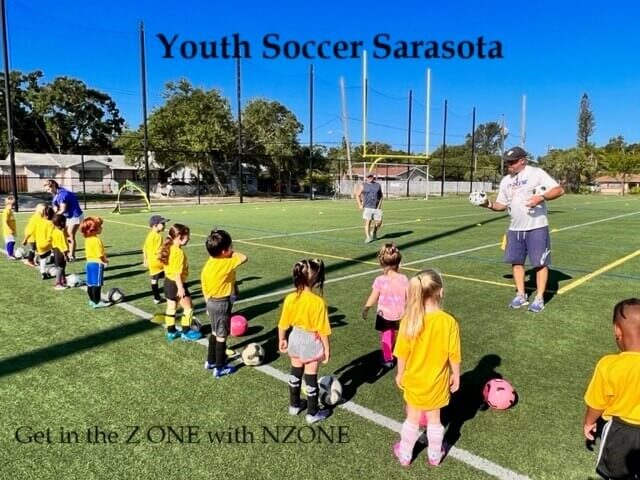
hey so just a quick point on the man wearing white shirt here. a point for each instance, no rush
(528, 233)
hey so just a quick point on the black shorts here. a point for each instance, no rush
(171, 290)
(619, 455)
(382, 324)
(59, 259)
(157, 276)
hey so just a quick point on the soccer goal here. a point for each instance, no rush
(129, 198)
(398, 180)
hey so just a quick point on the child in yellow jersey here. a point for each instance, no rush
(60, 250)
(428, 353)
(176, 271)
(150, 251)
(218, 280)
(9, 226)
(614, 395)
(30, 234)
(96, 258)
(42, 232)
(308, 342)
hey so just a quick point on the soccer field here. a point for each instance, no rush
(100, 393)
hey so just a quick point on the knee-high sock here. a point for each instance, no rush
(43, 265)
(10, 246)
(156, 290)
(170, 318)
(312, 393)
(211, 350)
(408, 437)
(435, 435)
(187, 318)
(221, 353)
(295, 382)
(387, 339)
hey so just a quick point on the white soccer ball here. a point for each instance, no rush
(253, 354)
(115, 295)
(477, 198)
(73, 280)
(52, 271)
(330, 390)
(540, 190)
(19, 253)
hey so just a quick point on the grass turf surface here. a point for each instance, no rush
(64, 365)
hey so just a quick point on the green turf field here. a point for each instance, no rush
(65, 366)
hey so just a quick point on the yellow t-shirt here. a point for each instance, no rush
(219, 276)
(44, 229)
(151, 249)
(428, 357)
(94, 249)
(29, 230)
(59, 240)
(615, 387)
(8, 222)
(178, 264)
(305, 310)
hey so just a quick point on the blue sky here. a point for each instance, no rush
(553, 53)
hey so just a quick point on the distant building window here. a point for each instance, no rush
(91, 176)
(47, 172)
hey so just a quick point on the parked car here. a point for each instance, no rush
(178, 188)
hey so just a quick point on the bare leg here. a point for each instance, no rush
(71, 239)
(542, 275)
(367, 228)
(518, 278)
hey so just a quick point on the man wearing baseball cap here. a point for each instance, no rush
(369, 198)
(524, 192)
(150, 251)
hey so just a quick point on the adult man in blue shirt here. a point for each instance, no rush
(369, 198)
(66, 203)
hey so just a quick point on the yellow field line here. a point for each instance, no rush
(600, 271)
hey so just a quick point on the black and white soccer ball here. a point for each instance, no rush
(330, 390)
(539, 190)
(115, 295)
(73, 280)
(20, 253)
(253, 354)
(478, 198)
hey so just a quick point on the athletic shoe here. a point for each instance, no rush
(219, 372)
(100, 304)
(11, 258)
(46, 276)
(537, 305)
(60, 287)
(171, 336)
(434, 462)
(519, 301)
(296, 410)
(368, 240)
(158, 301)
(318, 417)
(388, 365)
(404, 461)
(191, 335)
(209, 366)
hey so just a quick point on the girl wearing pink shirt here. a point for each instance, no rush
(389, 291)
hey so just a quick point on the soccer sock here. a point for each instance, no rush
(211, 350)
(43, 265)
(295, 382)
(10, 246)
(386, 344)
(408, 437)
(59, 276)
(98, 294)
(156, 290)
(170, 318)
(91, 291)
(221, 353)
(312, 393)
(187, 318)
(435, 435)
(31, 255)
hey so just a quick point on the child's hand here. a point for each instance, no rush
(144, 262)
(589, 430)
(326, 359)
(365, 312)
(399, 381)
(180, 292)
(282, 346)
(454, 384)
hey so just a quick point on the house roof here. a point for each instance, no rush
(618, 178)
(56, 160)
(384, 171)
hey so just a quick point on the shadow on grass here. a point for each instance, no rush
(395, 235)
(364, 369)
(18, 363)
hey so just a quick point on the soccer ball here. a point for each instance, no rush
(19, 253)
(52, 271)
(539, 190)
(239, 326)
(499, 394)
(253, 354)
(330, 390)
(477, 198)
(73, 280)
(115, 295)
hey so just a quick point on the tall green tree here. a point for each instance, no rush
(586, 122)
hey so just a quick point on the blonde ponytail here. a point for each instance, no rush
(427, 284)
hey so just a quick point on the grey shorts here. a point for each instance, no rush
(305, 346)
(533, 243)
(219, 313)
(374, 214)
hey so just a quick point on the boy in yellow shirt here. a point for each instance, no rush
(60, 249)
(218, 280)
(150, 251)
(614, 395)
(9, 226)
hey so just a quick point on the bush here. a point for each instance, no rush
(635, 191)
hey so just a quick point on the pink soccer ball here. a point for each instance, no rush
(239, 326)
(499, 394)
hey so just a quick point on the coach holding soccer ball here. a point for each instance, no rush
(523, 193)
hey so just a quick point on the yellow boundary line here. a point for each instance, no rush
(600, 271)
